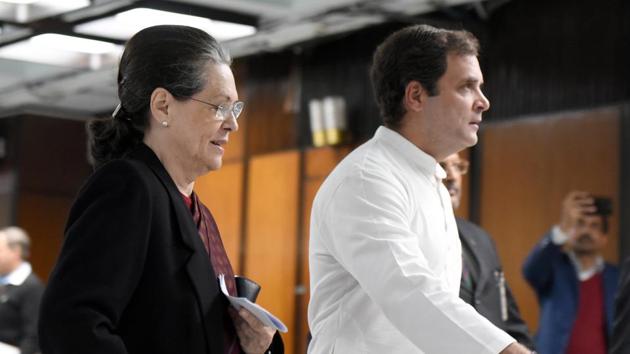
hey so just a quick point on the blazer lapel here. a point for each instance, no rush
(610, 280)
(467, 237)
(198, 266)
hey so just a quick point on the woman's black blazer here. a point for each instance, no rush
(133, 275)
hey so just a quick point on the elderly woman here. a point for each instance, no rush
(138, 269)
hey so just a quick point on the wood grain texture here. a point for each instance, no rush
(272, 232)
(44, 219)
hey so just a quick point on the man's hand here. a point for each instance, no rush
(254, 337)
(574, 205)
(516, 348)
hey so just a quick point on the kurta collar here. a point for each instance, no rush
(410, 152)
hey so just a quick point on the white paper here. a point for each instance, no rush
(8, 349)
(263, 315)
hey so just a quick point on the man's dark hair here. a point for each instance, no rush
(415, 53)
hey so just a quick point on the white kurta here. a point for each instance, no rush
(385, 259)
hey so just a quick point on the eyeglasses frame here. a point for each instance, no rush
(219, 108)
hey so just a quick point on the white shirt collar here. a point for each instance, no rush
(416, 157)
(586, 274)
(559, 238)
(19, 275)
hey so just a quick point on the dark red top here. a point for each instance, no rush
(589, 330)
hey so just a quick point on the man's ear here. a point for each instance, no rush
(415, 96)
(159, 104)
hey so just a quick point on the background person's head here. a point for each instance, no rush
(590, 232)
(455, 168)
(175, 59)
(15, 248)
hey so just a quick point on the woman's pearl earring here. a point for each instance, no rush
(164, 123)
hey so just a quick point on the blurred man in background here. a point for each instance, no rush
(483, 283)
(20, 292)
(575, 287)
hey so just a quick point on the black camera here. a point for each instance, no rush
(602, 205)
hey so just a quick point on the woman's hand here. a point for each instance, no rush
(253, 335)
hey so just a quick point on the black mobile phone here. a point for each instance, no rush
(603, 205)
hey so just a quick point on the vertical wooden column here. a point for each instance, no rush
(624, 186)
(271, 233)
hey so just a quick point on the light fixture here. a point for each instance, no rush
(24, 11)
(72, 44)
(62, 50)
(25, 2)
(125, 24)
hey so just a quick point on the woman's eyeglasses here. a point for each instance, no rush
(223, 111)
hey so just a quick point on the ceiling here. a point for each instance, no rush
(83, 90)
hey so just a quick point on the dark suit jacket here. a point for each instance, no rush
(488, 288)
(133, 275)
(620, 343)
(19, 308)
(552, 275)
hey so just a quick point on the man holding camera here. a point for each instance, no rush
(575, 287)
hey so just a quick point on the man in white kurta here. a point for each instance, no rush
(385, 257)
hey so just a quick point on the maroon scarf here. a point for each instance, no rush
(209, 233)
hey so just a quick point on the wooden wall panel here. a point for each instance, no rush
(52, 155)
(271, 90)
(528, 166)
(7, 196)
(272, 232)
(234, 150)
(222, 192)
(44, 219)
(51, 165)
